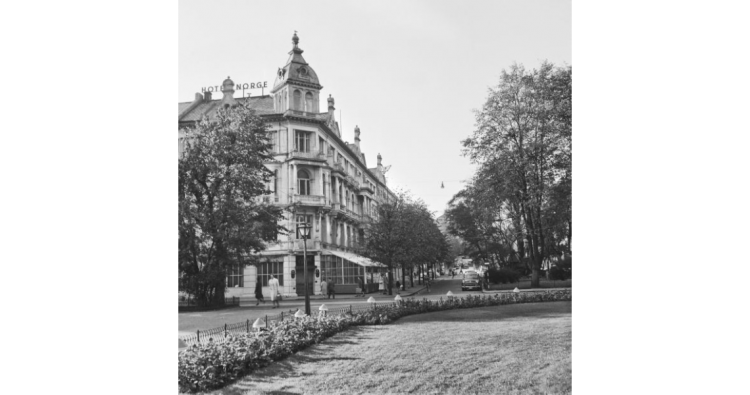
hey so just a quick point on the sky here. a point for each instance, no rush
(408, 73)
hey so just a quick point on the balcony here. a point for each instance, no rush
(353, 215)
(366, 187)
(309, 200)
(315, 155)
(338, 167)
(267, 199)
(352, 182)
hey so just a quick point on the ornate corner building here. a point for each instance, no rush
(323, 178)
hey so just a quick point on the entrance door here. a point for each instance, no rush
(300, 276)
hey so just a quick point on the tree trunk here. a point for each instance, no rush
(411, 277)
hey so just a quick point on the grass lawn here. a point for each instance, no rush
(511, 349)
(526, 284)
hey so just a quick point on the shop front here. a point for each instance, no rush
(344, 269)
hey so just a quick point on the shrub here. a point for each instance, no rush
(504, 275)
(558, 273)
(204, 367)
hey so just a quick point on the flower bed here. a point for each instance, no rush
(204, 367)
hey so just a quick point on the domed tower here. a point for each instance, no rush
(296, 86)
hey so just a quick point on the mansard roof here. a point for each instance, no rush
(261, 104)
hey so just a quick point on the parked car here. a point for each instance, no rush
(471, 281)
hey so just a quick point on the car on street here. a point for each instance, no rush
(471, 281)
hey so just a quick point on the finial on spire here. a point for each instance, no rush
(295, 39)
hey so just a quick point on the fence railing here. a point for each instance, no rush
(234, 300)
(220, 335)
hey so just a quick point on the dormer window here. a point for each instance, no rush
(302, 72)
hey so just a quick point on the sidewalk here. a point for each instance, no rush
(523, 290)
(293, 301)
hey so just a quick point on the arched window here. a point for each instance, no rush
(297, 100)
(308, 102)
(303, 182)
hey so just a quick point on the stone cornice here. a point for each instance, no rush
(296, 82)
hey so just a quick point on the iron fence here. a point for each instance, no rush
(190, 304)
(221, 333)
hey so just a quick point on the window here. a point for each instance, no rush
(321, 146)
(270, 232)
(274, 144)
(271, 266)
(308, 102)
(297, 100)
(340, 271)
(302, 141)
(303, 182)
(236, 276)
(275, 184)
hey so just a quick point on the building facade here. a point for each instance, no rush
(324, 179)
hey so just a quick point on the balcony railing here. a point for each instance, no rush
(311, 200)
(267, 199)
(352, 181)
(338, 167)
(353, 214)
(306, 155)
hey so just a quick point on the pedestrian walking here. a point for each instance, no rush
(273, 283)
(324, 288)
(361, 283)
(398, 287)
(331, 289)
(259, 292)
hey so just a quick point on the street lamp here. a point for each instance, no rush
(303, 230)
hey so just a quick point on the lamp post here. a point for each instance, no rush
(304, 231)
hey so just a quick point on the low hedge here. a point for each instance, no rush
(205, 367)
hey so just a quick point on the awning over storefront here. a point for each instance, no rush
(358, 259)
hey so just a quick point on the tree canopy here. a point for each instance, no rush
(406, 235)
(519, 201)
(222, 222)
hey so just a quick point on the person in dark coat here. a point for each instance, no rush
(259, 292)
(331, 289)
(361, 283)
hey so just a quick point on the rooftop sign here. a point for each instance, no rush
(252, 85)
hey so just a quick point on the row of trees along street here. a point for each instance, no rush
(223, 226)
(405, 235)
(517, 207)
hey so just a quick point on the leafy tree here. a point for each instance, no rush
(522, 145)
(405, 235)
(222, 223)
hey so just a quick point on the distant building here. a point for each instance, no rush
(325, 177)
